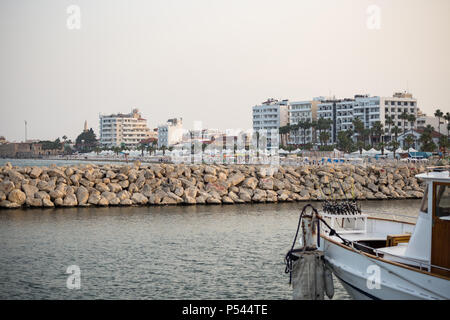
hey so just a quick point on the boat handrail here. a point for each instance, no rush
(420, 262)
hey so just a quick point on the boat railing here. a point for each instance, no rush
(422, 265)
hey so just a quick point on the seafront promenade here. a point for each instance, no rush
(179, 184)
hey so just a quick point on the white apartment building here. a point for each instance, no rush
(423, 120)
(340, 112)
(128, 129)
(302, 111)
(394, 106)
(369, 110)
(170, 133)
(271, 114)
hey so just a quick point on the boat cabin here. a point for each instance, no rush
(429, 243)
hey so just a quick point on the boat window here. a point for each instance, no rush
(443, 201)
(424, 205)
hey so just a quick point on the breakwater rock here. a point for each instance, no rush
(170, 184)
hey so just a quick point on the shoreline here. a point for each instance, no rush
(137, 184)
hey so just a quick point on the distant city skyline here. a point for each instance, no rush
(210, 61)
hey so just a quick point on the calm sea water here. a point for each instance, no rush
(185, 252)
(182, 252)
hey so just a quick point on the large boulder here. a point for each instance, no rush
(139, 198)
(236, 179)
(29, 190)
(209, 178)
(250, 183)
(35, 172)
(82, 195)
(266, 183)
(8, 204)
(245, 196)
(17, 196)
(70, 200)
(7, 186)
(94, 198)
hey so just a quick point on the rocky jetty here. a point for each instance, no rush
(171, 184)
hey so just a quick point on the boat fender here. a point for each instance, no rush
(311, 279)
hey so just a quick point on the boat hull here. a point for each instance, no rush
(365, 277)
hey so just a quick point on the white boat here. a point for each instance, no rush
(376, 258)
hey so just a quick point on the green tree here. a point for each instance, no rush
(390, 123)
(322, 126)
(381, 147)
(358, 129)
(345, 141)
(426, 139)
(404, 117)
(412, 119)
(439, 114)
(304, 125)
(396, 131)
(141, 147)
(86, 141)
(409, 140)
(377, 131)
(284, 131)
(324, 137)
(394, 145)
(314, 131)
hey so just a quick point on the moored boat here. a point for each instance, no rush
(378, 258)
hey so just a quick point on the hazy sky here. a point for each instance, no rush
(210, 60)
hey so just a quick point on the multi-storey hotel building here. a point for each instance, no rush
(128, 129)
(302, 111)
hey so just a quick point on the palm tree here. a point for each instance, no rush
(439, 114)
(447, 118)
(426, 139)
(381, 146)
(377, 131)
(409, 140)
(394, 144)
(283, 131)
(293, 128)
(390, 123)
(314, 128)
(324, 137)
(358, 126)
(412, 119)
(304, 125)
(116, 149)
(396, 131)
(324, 125)
(164, 148)
(141, 147)
(360, 146)
(404, 117)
